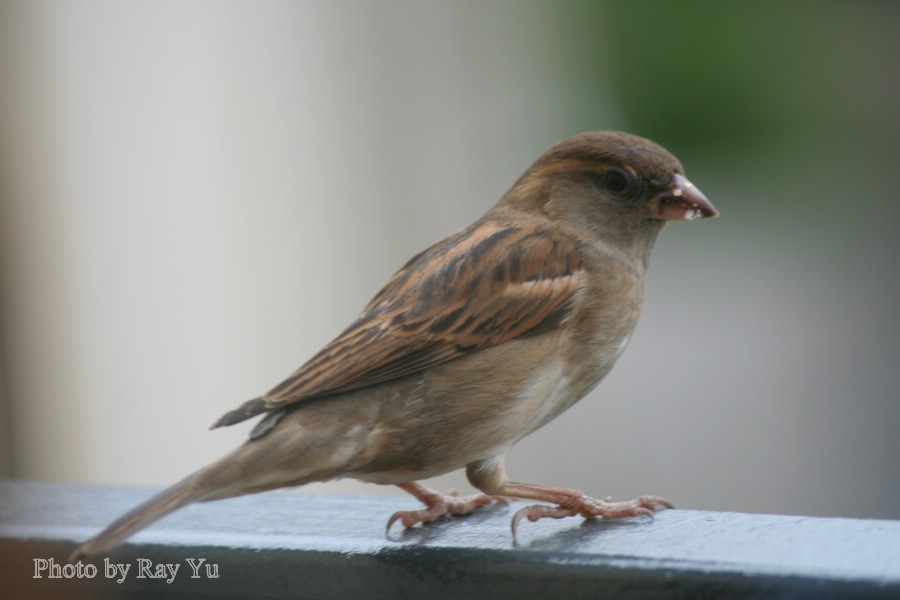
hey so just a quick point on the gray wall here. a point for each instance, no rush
(197, 196)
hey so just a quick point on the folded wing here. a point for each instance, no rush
(480, 287)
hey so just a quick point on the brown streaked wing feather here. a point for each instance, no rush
(480, 287)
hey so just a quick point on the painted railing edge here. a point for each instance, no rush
(292, 545)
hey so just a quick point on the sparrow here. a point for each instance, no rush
(477, 341)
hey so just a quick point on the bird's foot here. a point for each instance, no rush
(589, 508)
(438, 505)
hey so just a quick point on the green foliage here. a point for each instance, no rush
(730, 74)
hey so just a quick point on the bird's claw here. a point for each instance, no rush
(440, 505)
(590, 508)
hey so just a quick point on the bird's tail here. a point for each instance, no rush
(243, 471)
(279, 453)
(167, 501)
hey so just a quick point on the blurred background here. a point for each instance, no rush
(196, 196)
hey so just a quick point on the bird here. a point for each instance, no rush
(476, 342)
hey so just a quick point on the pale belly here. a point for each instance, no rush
(456, 427)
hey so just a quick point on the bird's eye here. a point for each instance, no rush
(616, 180)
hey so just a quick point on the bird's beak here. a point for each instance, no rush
(682, 202)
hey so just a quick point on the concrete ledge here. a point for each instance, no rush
(290, 545)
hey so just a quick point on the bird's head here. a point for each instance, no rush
(619, 186)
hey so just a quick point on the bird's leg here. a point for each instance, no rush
(437, 505)
(572, 502)
(489, 476)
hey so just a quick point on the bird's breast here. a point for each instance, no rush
(603, 319)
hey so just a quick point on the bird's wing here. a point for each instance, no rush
(483, 286)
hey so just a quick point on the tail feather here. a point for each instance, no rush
(274, 457)
(167, 501)
(247, 410)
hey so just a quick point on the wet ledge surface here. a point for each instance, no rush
(294, 545)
